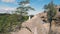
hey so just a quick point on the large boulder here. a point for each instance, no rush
(36, 25)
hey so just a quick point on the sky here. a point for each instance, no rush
(37, 4)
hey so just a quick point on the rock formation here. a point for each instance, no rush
(37, 25)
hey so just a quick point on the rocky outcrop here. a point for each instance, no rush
(38, 26)
(37, 23)
(22, 31)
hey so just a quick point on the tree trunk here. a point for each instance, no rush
(50, 30)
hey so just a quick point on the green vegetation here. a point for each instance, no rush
(23, 8)
(12, 22)
(22, 11)
(8, 22)
(50, 13)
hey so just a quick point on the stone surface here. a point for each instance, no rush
(22, 31)
(36, 25)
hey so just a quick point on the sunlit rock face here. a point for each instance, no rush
(22, 31)
(58, 11)
(55, 28)
(36, 25)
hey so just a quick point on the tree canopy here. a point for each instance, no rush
(51, 12)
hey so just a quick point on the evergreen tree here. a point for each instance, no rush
(50, 13)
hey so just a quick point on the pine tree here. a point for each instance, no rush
(50, 13)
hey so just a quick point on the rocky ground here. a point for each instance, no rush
(37, 26)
